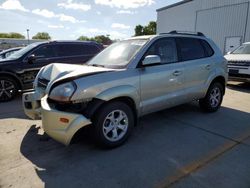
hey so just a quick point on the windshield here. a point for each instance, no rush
(118, 54)
(21, 52)
(244, 49)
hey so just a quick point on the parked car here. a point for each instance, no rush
(239, 63)
(18, 71)
(6, 53)
(125, 81)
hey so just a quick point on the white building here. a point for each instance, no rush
(227, 22)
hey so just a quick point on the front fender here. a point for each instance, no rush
(120, 91)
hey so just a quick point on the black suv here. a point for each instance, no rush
(18, 71)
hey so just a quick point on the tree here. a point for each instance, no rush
(42, 35)
(138, 30)
(105, 40)
(149, 29)
(12, 35)
(84, 38)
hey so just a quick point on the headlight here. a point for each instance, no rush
(63, 92)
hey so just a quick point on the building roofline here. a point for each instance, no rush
(174, 5)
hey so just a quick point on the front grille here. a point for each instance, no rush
(42, 83)
(239, 63)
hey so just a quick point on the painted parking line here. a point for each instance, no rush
(186, 170)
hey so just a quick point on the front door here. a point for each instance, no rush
(162, 83)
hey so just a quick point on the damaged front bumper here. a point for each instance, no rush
(60, 125)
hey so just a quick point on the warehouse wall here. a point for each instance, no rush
(217, 19)
(181, 17)
(222, 22)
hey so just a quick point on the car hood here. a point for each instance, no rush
(58, 71)
(238, 57)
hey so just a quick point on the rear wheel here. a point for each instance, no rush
(213, 98)
(8, 89)
(113, 124)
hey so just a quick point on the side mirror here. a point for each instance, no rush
(31, 59)
(151, 59)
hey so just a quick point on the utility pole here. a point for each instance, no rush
(28, 37)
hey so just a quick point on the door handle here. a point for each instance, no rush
(177, 73)
(208, 67)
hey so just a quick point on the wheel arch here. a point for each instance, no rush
(220, 79)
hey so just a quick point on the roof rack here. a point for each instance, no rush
(186, 33)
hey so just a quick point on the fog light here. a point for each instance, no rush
(64, 120)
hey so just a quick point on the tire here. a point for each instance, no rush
(213, 98)
(113, 124)
(8, 89)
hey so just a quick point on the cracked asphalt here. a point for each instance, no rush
(178, 147)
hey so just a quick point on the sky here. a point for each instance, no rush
(69, 19)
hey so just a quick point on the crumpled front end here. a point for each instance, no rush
(61, 125)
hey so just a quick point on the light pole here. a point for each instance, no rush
(28, 36)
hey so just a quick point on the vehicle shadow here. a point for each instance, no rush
(12, 109)
(158, 146)
(242, 87)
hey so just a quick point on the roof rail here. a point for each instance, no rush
(185, 33)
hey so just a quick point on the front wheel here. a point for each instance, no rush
(8, 89)
(213, 98)
(113, 124)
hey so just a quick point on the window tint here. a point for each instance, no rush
(45, 51)
(165, 49)
(190, 48)
(208, 49)
(76, 49)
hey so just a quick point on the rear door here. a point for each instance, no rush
(161, 84)
(195, 55)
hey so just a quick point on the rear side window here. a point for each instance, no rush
(76, 49)
(208, 49)
(190, 49)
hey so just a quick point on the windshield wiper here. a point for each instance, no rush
(96, 65)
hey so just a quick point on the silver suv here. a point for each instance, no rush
(127, 80)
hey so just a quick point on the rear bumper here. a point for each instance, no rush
(61, 131)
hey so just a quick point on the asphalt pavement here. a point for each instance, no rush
(178, 147)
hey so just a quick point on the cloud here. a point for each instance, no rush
(44, 12)
(96, 30)
(125, 4)
(56, 26)
(62, 17)
(125, 12)
(117, 35)
(75, 6)
(98, 13)
(13, 5)
(120, 26)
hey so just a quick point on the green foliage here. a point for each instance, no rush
(149, 29)
(105, 40)
(42, 35)
(12, 35)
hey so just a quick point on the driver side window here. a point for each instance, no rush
(45, 52)
(165, 49)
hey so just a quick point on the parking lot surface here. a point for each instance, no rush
(177, 147)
